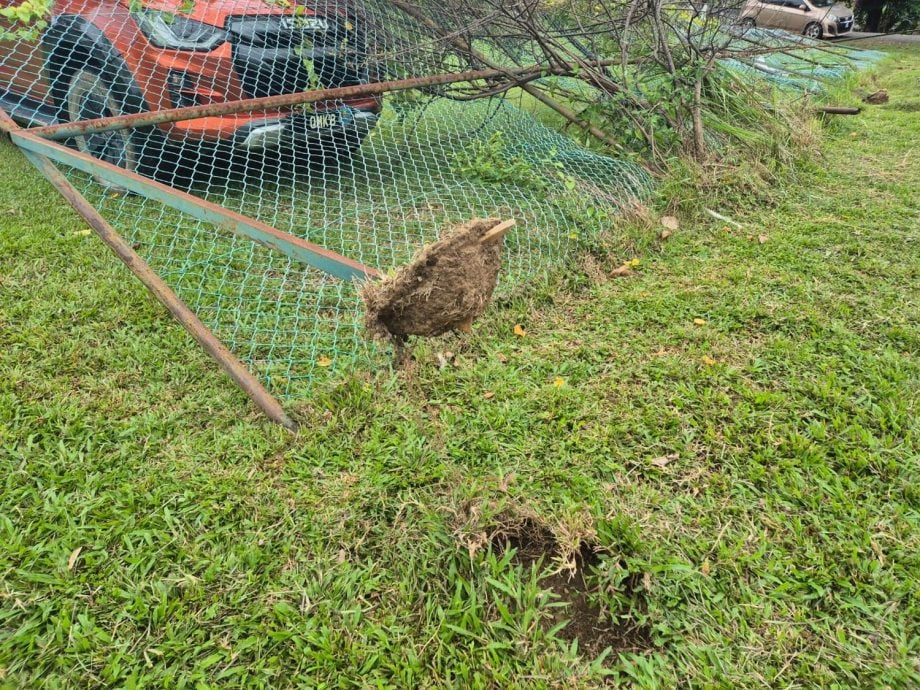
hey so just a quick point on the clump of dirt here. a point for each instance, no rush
(444, 288)
(588, 622)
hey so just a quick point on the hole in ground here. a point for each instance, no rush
(588, 623)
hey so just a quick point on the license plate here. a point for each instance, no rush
(322, 120)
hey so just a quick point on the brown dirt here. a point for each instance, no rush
(588, 622)
(444, 288)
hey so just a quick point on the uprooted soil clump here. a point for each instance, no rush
(444, 288)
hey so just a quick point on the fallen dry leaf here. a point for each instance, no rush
(519, 330)
(474, 544)
(665, 234)
(444, 358)
(505, 482)
(699, 322)
(663, 460)
(74, 555)
(670, 222)
(323, 362)
(878, 553)
(762, 238)
(621, 272)
(705, 568)
(501, 358)
(489, 395)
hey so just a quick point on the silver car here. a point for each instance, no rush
(812, 18)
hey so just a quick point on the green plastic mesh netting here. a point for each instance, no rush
(417, 174)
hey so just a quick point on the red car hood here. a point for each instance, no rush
(215, 12)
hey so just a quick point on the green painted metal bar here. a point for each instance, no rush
(312, 254)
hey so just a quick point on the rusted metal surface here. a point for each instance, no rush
(159, 117)
(7, 124)
(319, 257)
(185, 316)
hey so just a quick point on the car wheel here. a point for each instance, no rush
(90, 96)
(748, 23)
(813, 30)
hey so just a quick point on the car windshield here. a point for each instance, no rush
(823, 3)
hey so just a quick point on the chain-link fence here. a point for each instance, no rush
(259, 155)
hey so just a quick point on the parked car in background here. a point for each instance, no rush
(812, 18)
(94, 59)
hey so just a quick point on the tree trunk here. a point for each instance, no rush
(872, 11)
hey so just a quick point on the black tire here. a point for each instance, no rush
(89, 95)
(814, 31)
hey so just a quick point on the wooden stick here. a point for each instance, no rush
(838, 110)
(498, 231)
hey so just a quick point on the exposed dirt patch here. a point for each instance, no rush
(588, 623)
(444, 288)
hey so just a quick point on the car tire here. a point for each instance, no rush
(748, 23)
(89, 95)
(814, 31)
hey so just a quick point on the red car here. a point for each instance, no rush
(99, 58)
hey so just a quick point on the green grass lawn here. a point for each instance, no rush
(724, 447)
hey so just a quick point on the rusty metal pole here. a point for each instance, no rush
(164, 294)
(159, 117)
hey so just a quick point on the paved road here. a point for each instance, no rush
(877, 39)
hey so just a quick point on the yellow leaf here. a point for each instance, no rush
(708, 361)
(82, 233)
(699, 322)
(633, 262)
(323, 362)
(519, 330)
(74, 555)
(704, 568)
(558, 381)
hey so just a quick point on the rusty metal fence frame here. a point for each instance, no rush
(44, 148)
(41, 145)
